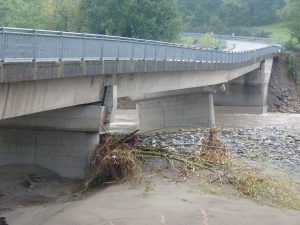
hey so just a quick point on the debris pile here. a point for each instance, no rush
(120, 159)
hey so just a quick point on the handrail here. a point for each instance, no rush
(18, 44)
(234, 37)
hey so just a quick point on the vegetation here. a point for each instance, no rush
(293, 67)
(291, 17)
(276, 31)
(206, 41)
(228, 16)
(150, 19)
(120, 159)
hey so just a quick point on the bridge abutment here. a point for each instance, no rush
(60, 140)
(247, 94)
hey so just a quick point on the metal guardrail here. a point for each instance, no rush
(236, 38)
(18, 44)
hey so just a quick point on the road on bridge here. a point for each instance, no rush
(238, 46)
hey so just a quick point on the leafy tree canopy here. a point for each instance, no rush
(291, 16)
(150, 19)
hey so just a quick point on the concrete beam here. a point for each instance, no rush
(23, 98)
(146, 83)
(86, 118)
(205, 89)
(44, 70)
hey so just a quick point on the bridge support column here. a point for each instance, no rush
(60, 140)
(247, 94)
(212, 120)
(190, 110)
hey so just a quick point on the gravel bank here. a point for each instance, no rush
(280, 147)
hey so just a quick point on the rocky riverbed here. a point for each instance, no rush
(277, 146)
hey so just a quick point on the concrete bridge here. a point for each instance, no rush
(59, 90)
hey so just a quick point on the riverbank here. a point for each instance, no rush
(168, 203)
(33, 195)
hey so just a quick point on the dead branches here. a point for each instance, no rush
(120, 159)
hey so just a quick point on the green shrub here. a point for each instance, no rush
(291, 44)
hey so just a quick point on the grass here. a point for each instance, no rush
(206, 41)
(277, 31)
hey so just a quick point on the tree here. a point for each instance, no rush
(23, 13)
(291, 16)
(250, 12)
(149, 19)
(200, 15)
(64, 15)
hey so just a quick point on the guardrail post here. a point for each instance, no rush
(174, 52)
(3, 45)
(181, 56)
(132, 49)
(83, 46)
(101, 57)
(144, 49)
(119, 42)
(34, 46)
(155, 53)
(61, 45)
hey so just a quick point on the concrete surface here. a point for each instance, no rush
(77, 118)
(250, 90)
(60, 140)
(65, 152)
(240, 46)
(24, 98)
(143, 83)
(173, 111)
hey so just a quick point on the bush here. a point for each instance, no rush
(293, 68)
(291, 44)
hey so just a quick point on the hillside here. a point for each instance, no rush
(283, 92)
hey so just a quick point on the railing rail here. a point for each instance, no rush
(237, 38)
(18, 44)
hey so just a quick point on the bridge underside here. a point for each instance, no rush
(196, 106)
(51, 122)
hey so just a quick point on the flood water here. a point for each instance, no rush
(126, 121)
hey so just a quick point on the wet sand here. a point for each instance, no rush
(179, 204)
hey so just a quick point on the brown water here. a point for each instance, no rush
(126, 121)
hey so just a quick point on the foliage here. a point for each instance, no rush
(291, 16)
(251, 12)
(228, 16)
(206, 41)
(200, 14)
(293, 68)
(23, 13)
(276, 31)
(291, 44)
(63, 15)
(148, 19)
(152, 19)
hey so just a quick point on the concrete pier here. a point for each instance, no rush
(60, 140)
(246, 94)
(185, 110)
